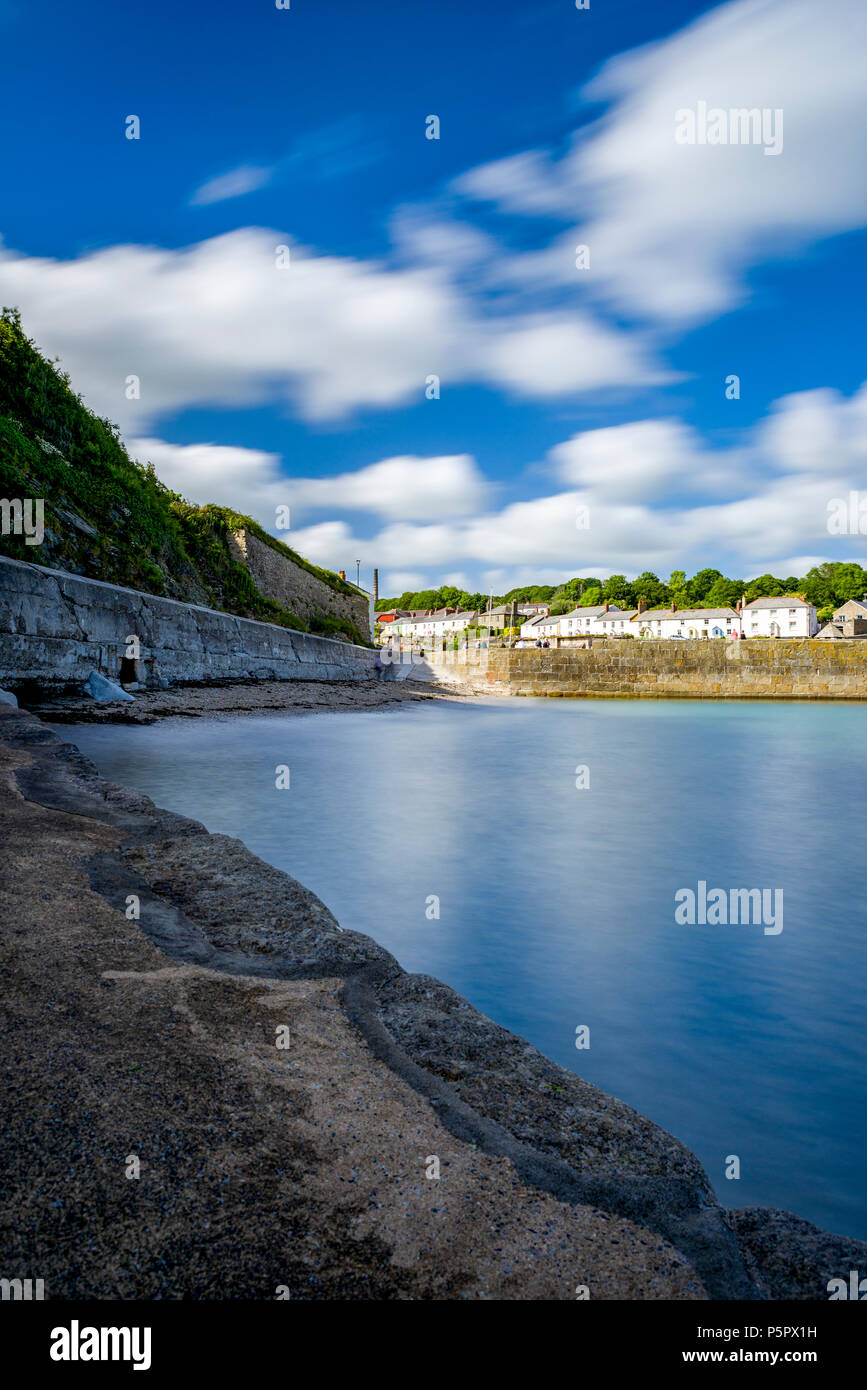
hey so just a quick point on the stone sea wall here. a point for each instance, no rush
(751, 669)
(278, 578)
(55, 628)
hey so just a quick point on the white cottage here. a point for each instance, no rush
(686, 623)
(582, 621)
(787, 616)
(543, 627)
(617, 622)
(701, 622)
(424, 625)
(530, 629)
(649, 622)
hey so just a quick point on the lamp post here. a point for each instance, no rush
(358, 574)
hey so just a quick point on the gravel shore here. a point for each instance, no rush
(238, 697)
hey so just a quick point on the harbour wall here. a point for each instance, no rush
(56, 628)
(754, 669)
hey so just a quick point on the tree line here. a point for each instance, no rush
(826, 586)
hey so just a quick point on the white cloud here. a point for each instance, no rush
(543, 355)
(245, 179)
(426, 237)
(219, 323)
(331, 544)
(818, 432)
(644, 461)
(397, 582)
(673, 228)
(409, 488)
(529, 183)
(771, 514)
(247, 480)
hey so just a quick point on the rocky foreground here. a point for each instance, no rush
(305, 1170)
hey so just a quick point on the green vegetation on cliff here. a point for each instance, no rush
(110, 518)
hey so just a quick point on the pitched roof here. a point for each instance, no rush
(781, 601)
(590, 612)
(693, 613)
(627, 613)
(446, 617)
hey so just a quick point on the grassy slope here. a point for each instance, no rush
(148, 538)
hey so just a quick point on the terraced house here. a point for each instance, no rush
(445, 623)
(687, 622)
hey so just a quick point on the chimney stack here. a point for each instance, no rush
(606, 608)
(641, 606)
(341, 574)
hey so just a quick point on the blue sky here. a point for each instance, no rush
(598, 390)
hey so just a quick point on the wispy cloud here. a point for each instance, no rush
(247, 178)
(334, 151)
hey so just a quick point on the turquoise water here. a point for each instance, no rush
(557, 905)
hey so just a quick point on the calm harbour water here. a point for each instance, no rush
(557, 904)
